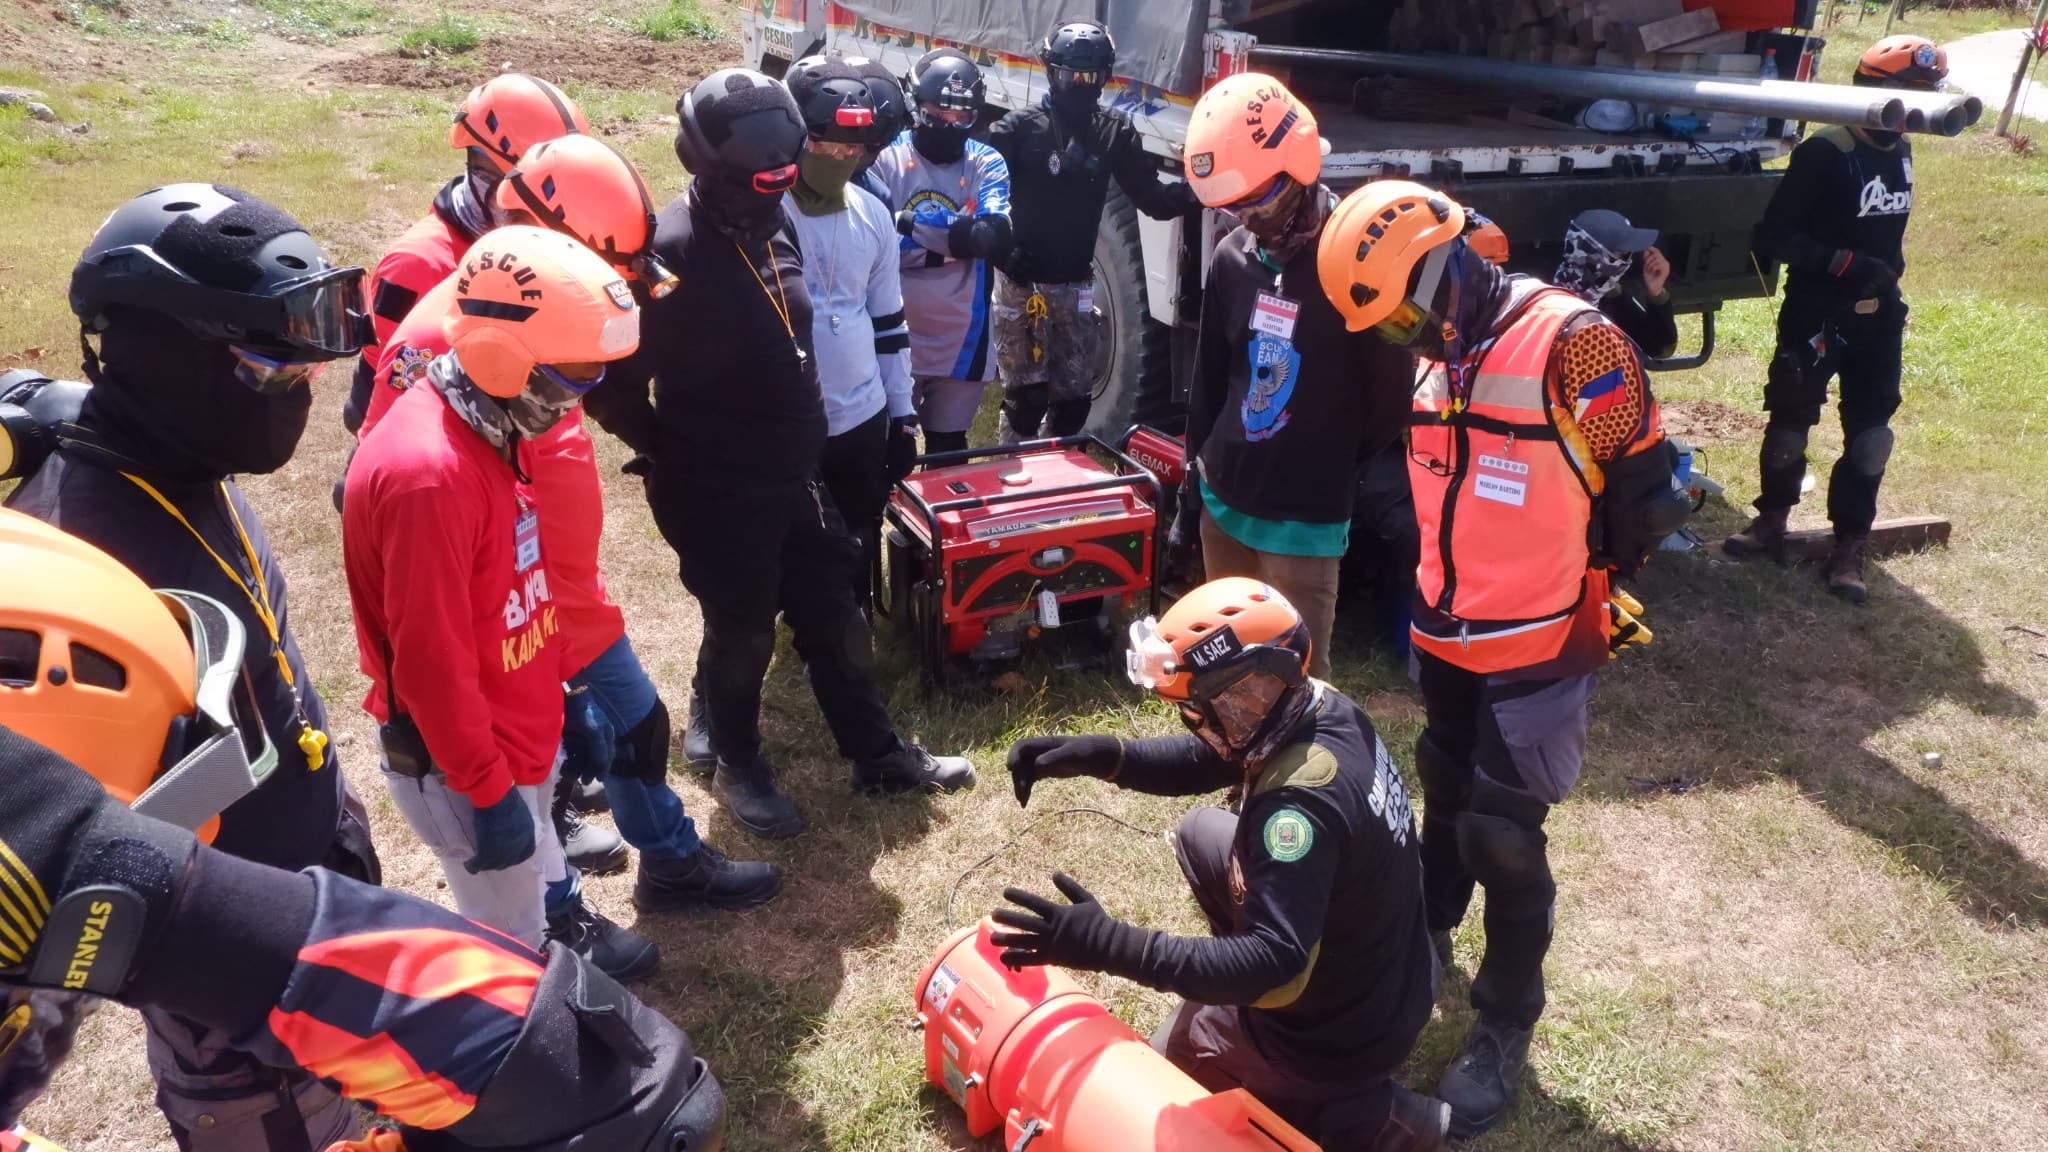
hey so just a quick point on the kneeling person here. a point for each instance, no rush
(1320, 975)
(455, 621)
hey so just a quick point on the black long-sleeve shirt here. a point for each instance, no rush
(1283, 442)
(1057, 193)
(1839, 193)
(1329, 957)
(735, 402)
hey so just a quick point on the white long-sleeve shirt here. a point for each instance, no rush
(857, 326)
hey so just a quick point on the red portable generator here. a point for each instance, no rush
(1162, 454)
(989, 548)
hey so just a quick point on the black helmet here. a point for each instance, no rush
(891, 117)
(1082, 48)
(833, 98)
(227, 266)
(738, 126)
(944, 78)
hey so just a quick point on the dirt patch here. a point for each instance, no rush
(607, 59)
(1709, 421)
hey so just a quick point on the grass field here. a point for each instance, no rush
(1780, 926)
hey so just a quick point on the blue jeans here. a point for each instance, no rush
(649, 813)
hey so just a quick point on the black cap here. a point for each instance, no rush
(1614, 232)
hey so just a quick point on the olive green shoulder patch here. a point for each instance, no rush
(1838, 135)
(1297, 766)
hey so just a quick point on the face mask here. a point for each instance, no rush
(180, 401)
(821, 182)
(1589, 270)
(533, 416)
(940, 143)
(486, 415)
(1074, 104)
(736, 209)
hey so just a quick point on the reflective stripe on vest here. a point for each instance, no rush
(1502, 507)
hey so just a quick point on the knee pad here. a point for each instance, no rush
(646, 746)
(1502, 854)
(1067, 417)
(1784, 446)
(1869, 451)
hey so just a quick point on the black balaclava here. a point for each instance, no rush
(736, 209)
(1473, 295)
(1073, 105)
(170, 400)
(1295, 221)
(939, 142)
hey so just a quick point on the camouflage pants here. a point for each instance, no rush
(1047, 334)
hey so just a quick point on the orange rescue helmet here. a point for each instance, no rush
(1489, 241)
(1373, 245)
(527, 298)
(1245, 133)
(1233, 656)
(579, 186)
(1903, 61)
(506, 115)
(144, 690)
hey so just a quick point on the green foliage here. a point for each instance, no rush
(320, 19)
(677, 19)
(446, 36)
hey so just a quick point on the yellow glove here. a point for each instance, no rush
(1625, 628)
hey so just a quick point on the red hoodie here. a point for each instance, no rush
(565, 483)
(445, 572)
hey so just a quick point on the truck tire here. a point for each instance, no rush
(1136, 366)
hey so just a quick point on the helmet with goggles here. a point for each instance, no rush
(144, 690)
(947, 86)
(227, 266)
(579, 186)
(1233, 656)
(1383, 253)
(538, 314)
(1903, 61)
(1078, 54)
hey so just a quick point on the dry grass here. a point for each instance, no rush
(1824, 945)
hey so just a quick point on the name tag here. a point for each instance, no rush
(1275, 315)
(526, 540)
(1499, 489)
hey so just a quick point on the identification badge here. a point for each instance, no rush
(1499, 489)
(1087, 303)
(526, 540)
(1275, 315)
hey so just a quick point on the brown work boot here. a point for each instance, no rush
(1845, 568)
(1764, 537)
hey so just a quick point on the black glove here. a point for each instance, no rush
(504, 835)
(1871, 276)
(1184, 536)
(904, 220)
(83, 870)
(1075, 935)
(1184, 195)
(1639, 506)
(589, 740)
(1036, 758)
(900, 453)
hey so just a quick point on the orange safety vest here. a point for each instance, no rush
(1502, 501)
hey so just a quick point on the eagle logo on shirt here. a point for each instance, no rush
(411, 366)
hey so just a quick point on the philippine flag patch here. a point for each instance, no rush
(1598, 396)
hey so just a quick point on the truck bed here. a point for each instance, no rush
(1363, 146)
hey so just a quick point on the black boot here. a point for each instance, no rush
(1481, 1083)
(749, 794)
(620, 953)
(697, 750)
(591, 848)
(588, 797)
(706, 878)
(911, 768)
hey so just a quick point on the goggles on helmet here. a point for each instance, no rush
(552, 389)
(269, 375)
(221, 752)
(322, 313)
(836, 149)
(950, 115)
(1075, 77)
(1150, 660)
(775, 181)
(1414, 316)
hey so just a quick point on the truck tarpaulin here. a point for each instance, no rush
(1157, 43)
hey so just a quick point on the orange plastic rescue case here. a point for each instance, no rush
(1033, 1052)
